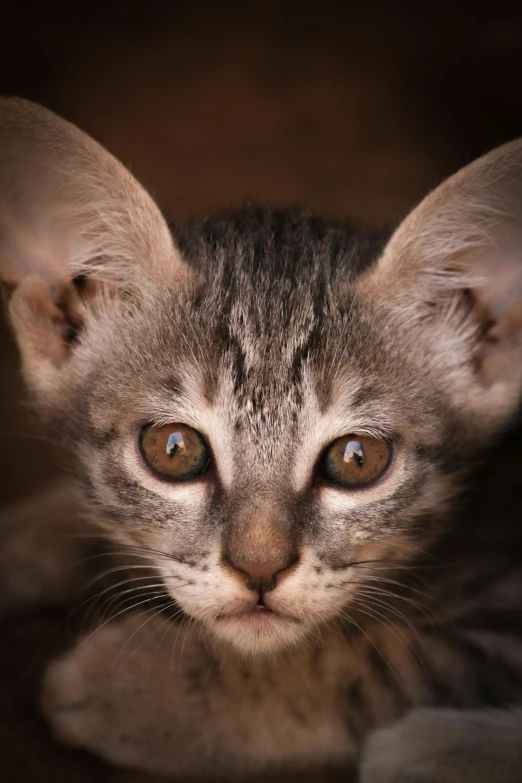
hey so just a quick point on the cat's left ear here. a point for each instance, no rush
(453, 271)
(75, 228)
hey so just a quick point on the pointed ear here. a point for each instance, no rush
(73, 221)
(453, 268)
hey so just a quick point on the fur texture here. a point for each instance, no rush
(272, 334)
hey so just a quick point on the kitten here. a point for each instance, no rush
(304, 442)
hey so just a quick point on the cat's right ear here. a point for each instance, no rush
(452, 273)
(75, 228)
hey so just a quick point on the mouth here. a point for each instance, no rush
(259, 617)
(258, 630)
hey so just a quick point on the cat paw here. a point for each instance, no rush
(427, 746)
(75, 697)
(94, 701)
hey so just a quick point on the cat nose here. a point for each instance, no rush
(262, 575)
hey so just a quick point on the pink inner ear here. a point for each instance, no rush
(499, 286)
(501, 346)
(39, 322)
(511, 322)
(498, 297)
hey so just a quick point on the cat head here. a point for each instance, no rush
(267, 408)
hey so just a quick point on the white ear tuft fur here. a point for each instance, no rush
(68, 207)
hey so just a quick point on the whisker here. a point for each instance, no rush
(117, 553)
(363, 584)
(168, 623)
(376, 648)
(394, 628)
(385, 561)
(110, 572)
(117, 599)
(137, 630)
(372, 591)
(387, 608)
(113, 617)
(402, 585)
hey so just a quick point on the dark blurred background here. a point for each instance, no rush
(354, 110)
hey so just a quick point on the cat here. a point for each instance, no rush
(302, 442)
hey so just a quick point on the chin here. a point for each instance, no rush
(259, 633)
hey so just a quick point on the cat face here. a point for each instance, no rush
(260, 407)
(269, 374)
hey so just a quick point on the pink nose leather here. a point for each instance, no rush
(261, 574)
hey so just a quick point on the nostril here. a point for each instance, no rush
(262, 575)
(260, 585)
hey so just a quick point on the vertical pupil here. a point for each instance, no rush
(354, 453)
(174, 444)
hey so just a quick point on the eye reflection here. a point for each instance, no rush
(175, 443)
(354, 451)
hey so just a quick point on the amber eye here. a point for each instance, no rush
(175, 451)
(355, 460)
